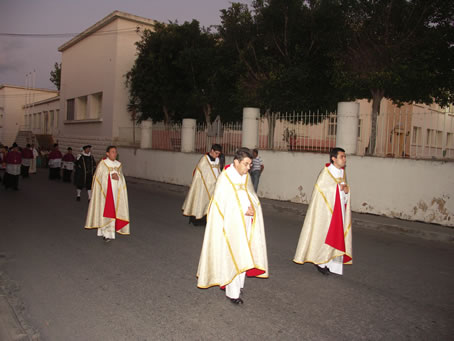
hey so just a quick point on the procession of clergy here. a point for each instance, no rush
(234, 245)
(223, 198)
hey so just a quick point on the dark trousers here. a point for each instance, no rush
(67, 175)
(255, 177)
(24, 171)
(12, 181)
(54, 173)
(198, 222)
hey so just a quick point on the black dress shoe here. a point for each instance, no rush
(236, 300)
(325, 271)
(77, 198)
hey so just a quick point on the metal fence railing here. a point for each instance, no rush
(228, 136)
(166, 136)
(408, 132)
(306, 131)
(401, 133)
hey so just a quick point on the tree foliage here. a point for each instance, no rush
(398, 49)
(291, 55)
(180, 72)
(55, 75)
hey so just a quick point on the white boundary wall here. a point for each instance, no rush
(407, 189)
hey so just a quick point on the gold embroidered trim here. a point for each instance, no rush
(324, 198)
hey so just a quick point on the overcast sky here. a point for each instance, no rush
(20, 55)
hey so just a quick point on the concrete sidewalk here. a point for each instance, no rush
(10, 327)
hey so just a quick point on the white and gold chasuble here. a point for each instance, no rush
(108, 208)
(312, 245)
(202, 188)
(233, 243)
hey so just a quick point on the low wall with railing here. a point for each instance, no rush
(408, 189)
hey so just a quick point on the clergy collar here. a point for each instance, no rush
(211, 158)
(86, 154)
(335, 171)
(235, 176)
(111, 163)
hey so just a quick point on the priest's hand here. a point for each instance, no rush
(115, 176)
(250, 211)
(344, 187)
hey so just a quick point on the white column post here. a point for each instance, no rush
(146, 133)
(347, 126)
(188, 135)
(250, 133)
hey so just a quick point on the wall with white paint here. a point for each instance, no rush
(407, 189)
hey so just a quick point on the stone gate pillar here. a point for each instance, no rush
(250, 134)
(347, 126)
(188, 135)
(146, 134)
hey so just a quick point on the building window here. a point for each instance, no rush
(96, 105)
(416, 137)
(51, 119)
(81, 108)
(359, 128)
(429, 137)
(70, 109)
(450, 140)
(439, 137)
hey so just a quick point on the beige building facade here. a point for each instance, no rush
(411, 131)
(93, 95)
(42, 117)
(12, 101)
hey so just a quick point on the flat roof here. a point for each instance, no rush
(103, 22)
(25, 88)
(44, 101)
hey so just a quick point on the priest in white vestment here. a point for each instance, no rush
(234, 244)
(33, 163)
(204, 178)
(326, 236)
(108, 210)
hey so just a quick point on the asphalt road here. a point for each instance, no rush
(66, 284)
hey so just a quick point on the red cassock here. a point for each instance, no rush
(14, 158)
(55, 154)
(27, 153)
(69, 158)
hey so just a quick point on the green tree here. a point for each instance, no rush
(398, 49)
(284, 51)
(55, 75)
(180, 71)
